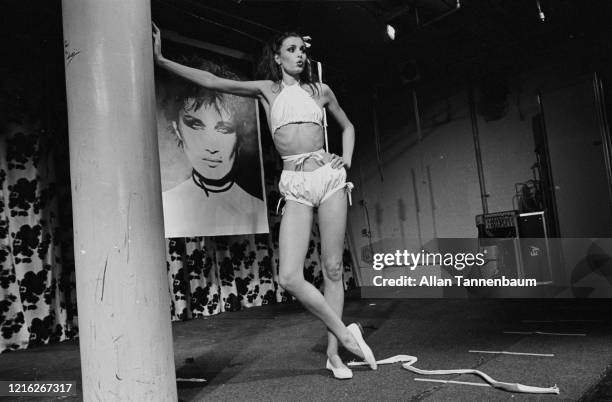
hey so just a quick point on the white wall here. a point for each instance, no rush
(447, 150)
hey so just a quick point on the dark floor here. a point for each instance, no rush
(276, 352)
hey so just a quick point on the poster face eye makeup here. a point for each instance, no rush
(193, 122)
(225, 127)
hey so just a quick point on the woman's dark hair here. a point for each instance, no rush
(176, 94)
(268, 69)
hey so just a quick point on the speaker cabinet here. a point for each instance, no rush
(534, 247)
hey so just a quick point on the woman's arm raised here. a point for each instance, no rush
(204, 78)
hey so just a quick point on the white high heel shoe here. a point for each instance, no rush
(368, 356)
(341, 373)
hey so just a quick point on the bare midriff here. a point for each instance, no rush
(299, 138)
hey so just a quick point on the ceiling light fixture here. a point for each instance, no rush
(390, 32)
(540, 12)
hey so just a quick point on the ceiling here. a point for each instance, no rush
(443, 39)
(349, 36)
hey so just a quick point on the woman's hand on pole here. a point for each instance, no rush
(157, 53)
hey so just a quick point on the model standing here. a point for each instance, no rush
(311, 178)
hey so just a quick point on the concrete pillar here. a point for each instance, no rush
(122, 287)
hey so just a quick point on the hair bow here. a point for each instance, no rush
(307, 40)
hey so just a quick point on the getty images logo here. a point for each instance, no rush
(534, 251)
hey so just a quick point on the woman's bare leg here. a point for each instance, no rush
(293, 245)
(332, 226)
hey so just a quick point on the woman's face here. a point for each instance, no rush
(292, 55)
(209, 139)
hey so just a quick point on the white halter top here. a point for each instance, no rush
(294, 105)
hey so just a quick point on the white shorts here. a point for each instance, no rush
(313, 188)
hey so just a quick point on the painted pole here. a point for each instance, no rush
(122, 286)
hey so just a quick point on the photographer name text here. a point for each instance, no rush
(435, 281)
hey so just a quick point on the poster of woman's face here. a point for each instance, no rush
(210, 157)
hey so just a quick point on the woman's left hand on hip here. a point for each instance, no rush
(337, 162)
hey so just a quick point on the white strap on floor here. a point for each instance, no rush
(476, 384)
(407, 362)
